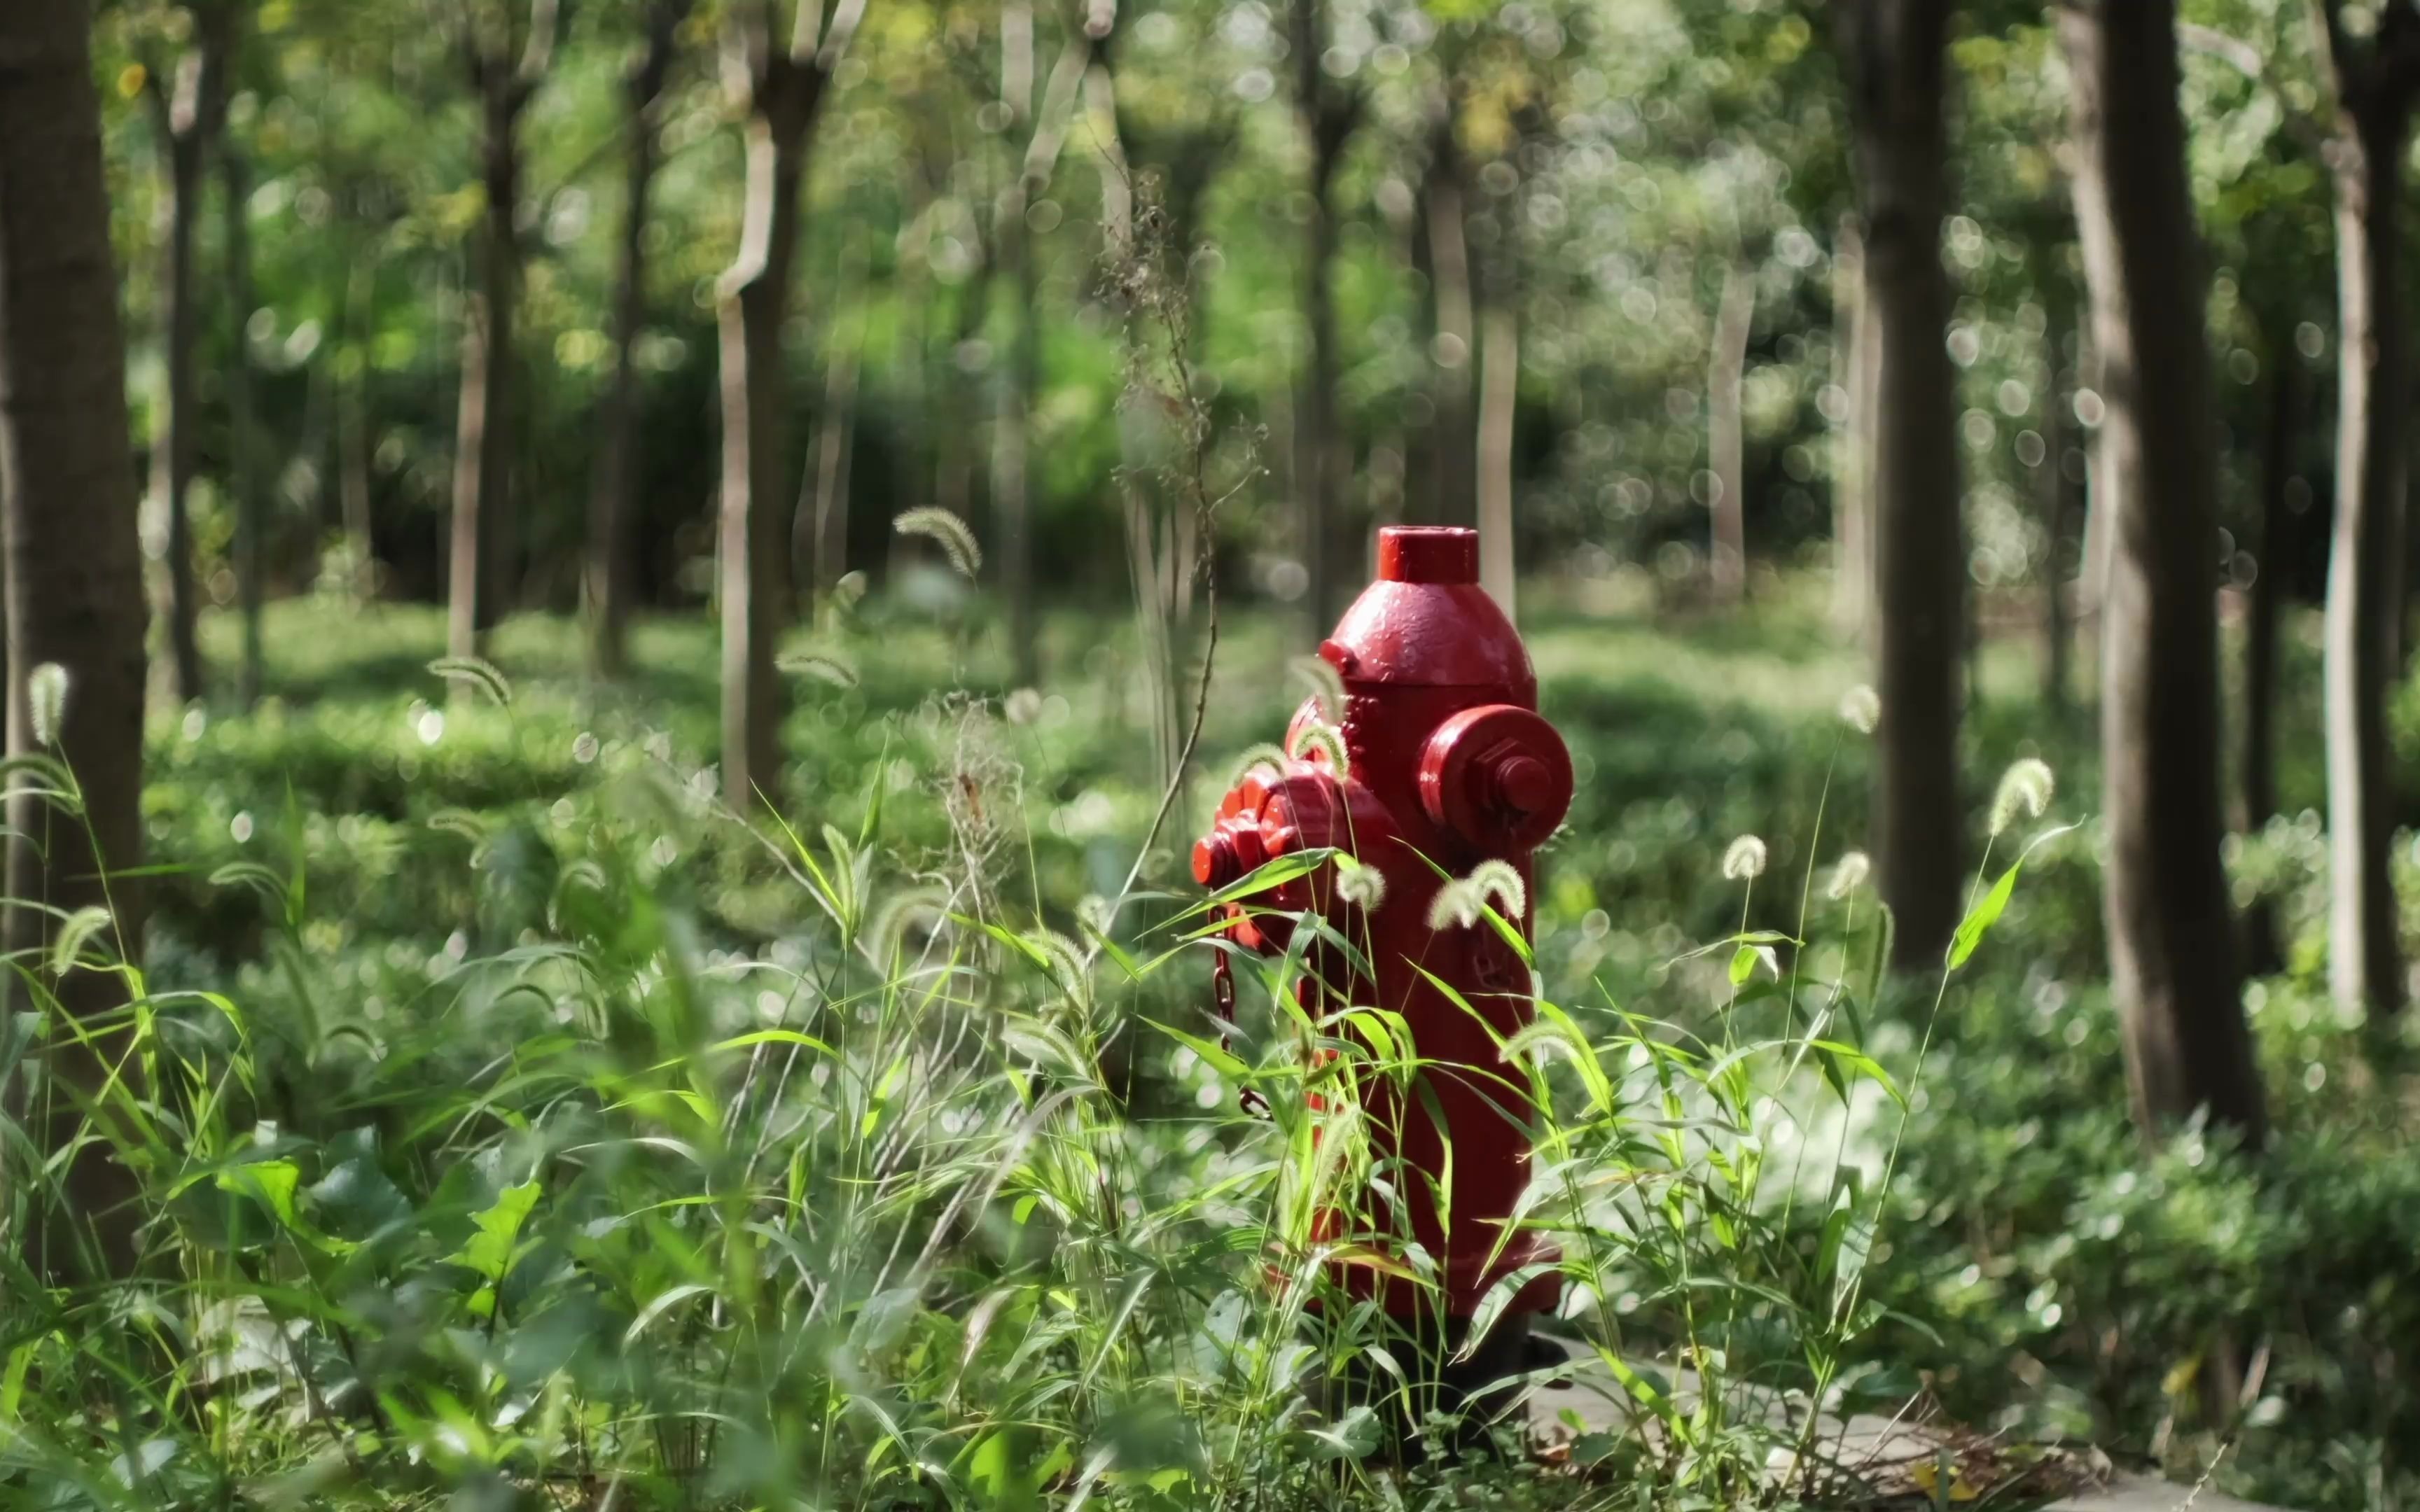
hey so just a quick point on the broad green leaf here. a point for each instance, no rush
(490, 1249)
(1222, 1060)
(1981, 918)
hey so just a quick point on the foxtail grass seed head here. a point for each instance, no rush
(1324, 739)
(1455, 906)
(1744, 860)
(2025, 788)
(1322, 681)
(1263, 757)
(1499, 882)
(1849, 873)
(1861, 708)
(477, 672)
(1361, 885)
(947, 531)
(1023, 706)
(46, 702)
(849, 588)
(818, 666)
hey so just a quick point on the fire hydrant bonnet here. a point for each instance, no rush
(1426, 621)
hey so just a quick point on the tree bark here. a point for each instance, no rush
(2173, 966)
(1500, 394)
(1894, 58)
(2050, 480)
(189, 111)
(785, 80)
(608, 581)
(354, 443)
(1327, 113)
(1020, 375)
(1012, 498)
(477, 573)
(755, 301)
(2373, 86)
(2257, 794)
(820, 548)
(243, 440)
(1444, 196)
(74, 592)
(1726, 445)
(1855, 361)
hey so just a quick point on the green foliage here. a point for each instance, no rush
(541, 1121)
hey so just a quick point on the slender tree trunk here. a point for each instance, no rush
(1011, 499)
(1316, 442)
(821, 551)
(1856, 363)
(608, 579)
(1894, 54)
(819, 525)
(243, 440)
(354, 442)
(1500, 394)
(1726, 445)
(755, 303)
(2050, 480)
(478, 572)
(188, 113)
(2171, 940)
(2373, 406)
(2257, 776)
(954, 462)
(1326, 116)
(74, 592)
(1020, 375)
(1452, 431)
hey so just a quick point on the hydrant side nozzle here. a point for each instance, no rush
(1497, 775)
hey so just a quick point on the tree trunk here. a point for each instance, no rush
(2050, 480)
(1452, 431)
(1317, 445)
(354, 442)
(189, 111)
(2171, 940)
(2257, 791)
(1856, 359)
(1893, 51)
(478, 570)
(608, 581)
(820, 527)
(2365, 957)
(74, 592)
(1499, 393)
(1020, 375)
(1326, 116)
(820, 552)
(1015, 380)
(1726, 446)
(243, 441)
(755, 303)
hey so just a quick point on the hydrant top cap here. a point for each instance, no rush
(1428, 554)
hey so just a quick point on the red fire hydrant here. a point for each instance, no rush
(1447, 762)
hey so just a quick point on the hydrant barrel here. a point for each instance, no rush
(1447, 765)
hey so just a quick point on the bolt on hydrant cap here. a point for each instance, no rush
(1428, 554)
(1526, 785)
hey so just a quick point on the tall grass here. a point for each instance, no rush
(925, 1202)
